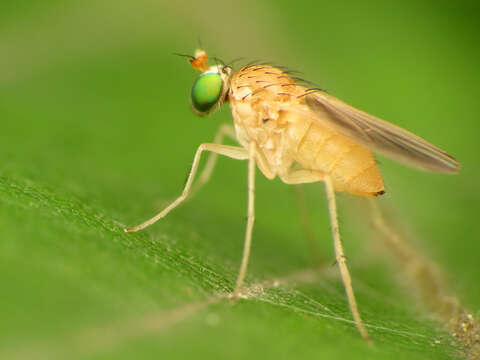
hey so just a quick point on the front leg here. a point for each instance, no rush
(233, 152)
(226, 130)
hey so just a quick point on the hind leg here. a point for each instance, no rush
(340, 257)
(309, 176)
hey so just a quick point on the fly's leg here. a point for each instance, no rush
(226, 130)
(250, 220)
(308, 176)
(233, 152)
(340, 257)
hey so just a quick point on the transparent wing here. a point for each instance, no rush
(379, 135)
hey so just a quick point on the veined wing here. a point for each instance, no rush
(378, 135)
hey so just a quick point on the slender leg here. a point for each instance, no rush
(250, 220)
(340, 257)
(308, 176)
(234, 152)
(225, 130)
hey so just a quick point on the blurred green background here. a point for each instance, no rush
(96, 132)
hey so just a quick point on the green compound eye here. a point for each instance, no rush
(206, 91)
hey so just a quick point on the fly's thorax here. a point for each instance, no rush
(263, 83)
(250, 123)
(275, 133)
(256, 95)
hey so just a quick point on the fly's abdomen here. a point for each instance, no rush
(351, 166)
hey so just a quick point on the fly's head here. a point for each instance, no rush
(210, 89)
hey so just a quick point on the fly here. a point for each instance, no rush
(302, 135)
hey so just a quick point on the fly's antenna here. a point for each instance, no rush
(185, 55)
(199, 61)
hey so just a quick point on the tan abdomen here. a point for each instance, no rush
(351, 166)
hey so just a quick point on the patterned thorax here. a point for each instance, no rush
(257, 94)
(264, 82)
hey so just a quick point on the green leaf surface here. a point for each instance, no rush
(96, 134)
